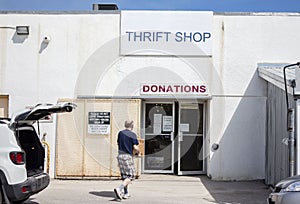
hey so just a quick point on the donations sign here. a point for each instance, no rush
(174, 89)
(99, 123)
(179, 33)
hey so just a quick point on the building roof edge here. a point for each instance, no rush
(257, 13)
(62, 12)
(119, 11)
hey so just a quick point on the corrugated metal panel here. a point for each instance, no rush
(277, 155)
(97, 147)
(4, 106)
(69, 142)
(80, 154)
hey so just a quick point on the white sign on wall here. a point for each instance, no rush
(180, 33)
(99, 123)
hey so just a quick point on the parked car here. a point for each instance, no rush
(22, 154)
(286, 191)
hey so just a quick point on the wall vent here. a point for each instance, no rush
(100, 7)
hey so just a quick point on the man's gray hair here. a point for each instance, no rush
(129, 124)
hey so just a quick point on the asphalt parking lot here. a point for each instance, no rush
(155, 189)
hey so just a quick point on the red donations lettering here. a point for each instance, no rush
(179, 89)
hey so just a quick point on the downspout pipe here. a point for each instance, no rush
(290, 124)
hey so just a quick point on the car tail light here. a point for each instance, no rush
(17, 157)
(24, 189)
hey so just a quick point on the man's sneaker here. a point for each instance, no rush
(118, 193)
(126, 196)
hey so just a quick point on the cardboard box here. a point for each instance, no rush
(141, 147)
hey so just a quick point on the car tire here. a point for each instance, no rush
(3, 197)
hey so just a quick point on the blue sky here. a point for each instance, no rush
(211, 5)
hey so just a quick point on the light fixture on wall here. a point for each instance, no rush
(22, 30)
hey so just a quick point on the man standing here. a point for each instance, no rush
(127, 142)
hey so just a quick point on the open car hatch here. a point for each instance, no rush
(39, 112)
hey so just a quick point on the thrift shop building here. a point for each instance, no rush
(194, 82)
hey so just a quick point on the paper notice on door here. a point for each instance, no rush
(157, 123)
(184, 127)
(167, 123)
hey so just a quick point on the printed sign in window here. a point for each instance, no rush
(184, 127)
(167, 123)
(99, 123)
(155, 162)
(157, 123)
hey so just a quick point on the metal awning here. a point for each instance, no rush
(273, 73)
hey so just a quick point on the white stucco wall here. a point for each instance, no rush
(82, 58)
(241, 41)
(33, 72)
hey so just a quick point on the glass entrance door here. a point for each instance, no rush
(159, 138)
(191, 139)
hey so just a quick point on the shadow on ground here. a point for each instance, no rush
(30, 201)
(105, 194)
(238, 192)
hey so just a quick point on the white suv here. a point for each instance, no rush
(22, 154)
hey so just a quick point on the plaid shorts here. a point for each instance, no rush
(126, 165)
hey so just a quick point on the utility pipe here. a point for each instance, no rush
(290, 124)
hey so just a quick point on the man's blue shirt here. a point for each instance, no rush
(126, 140)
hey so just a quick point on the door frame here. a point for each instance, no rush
(172, 102)
(180, 172)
